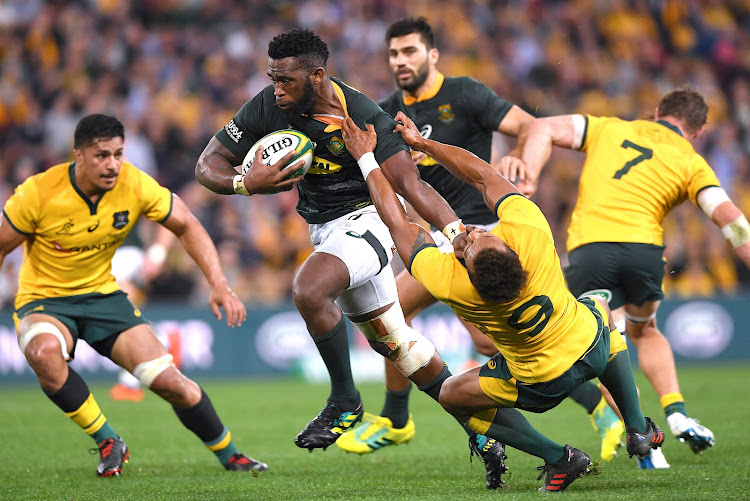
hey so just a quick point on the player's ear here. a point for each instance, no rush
(318, 75)
(433, 55)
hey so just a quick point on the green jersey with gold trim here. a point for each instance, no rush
(542, 332)
(71, 240)
(463, 112)
(334, 185)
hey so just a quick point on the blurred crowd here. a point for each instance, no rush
(175, 71)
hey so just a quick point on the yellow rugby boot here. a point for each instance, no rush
(610, 428)
(374, 433)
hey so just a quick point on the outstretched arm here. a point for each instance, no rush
(407, 236)
(717, 205)
(461, 163)
(516, 123)
(565, 131)
(198, 244)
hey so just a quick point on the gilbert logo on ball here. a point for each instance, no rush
(279, 143)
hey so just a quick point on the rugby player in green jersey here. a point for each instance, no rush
(508, 282)
(635, 172)
(72, 218)
(349, 271)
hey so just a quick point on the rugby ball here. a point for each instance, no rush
(279, 143)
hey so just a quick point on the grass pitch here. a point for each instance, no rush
(43, 455)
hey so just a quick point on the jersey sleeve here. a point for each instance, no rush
(247, 125)
(22, 208)
(156, 200)
(433, 269)
(590, 130)
(488, 108)
(700, 176)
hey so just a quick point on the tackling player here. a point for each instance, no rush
(71, 219)
(349, 271)
(454, 110)
(635, 172)
(508, 283)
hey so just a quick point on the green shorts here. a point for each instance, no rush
(499, 384)
(96, 318)
(621, 272)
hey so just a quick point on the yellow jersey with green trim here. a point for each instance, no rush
(635, 172)
(545, 330)
(70, 240)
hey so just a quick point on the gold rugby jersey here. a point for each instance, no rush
(634, 174)
(71, 241)
(543, 332)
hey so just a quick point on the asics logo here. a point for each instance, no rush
(93, 227)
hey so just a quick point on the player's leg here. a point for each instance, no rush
(46, 342)
(139, 351)
(467, 397)
(656, 360)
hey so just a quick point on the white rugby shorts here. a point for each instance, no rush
(362, 241)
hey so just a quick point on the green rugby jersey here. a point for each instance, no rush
(460, 111)
(334, 185)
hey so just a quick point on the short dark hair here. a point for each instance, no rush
(687, 105)
(410, 25)
(304, 45)
(498, 276)
(94, 127)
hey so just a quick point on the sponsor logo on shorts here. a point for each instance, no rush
(233, 131)
(491, 364)
(605, 294)
(136, 312)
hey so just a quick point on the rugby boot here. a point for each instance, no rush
(611, 430)
(654, 460)
(112, 453)
(374, 433)
(640, 444)
(328, 426)
(240, 462)
(492, 454)
(574, 464)
(691, 432)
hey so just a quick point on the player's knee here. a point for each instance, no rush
(41, 341)
(389, 335)
(449, 396)
(150, 372)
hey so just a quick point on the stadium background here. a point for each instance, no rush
(175, 71)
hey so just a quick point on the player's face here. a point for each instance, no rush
(98, 165)
(477, 240)
(292, 86)
(410, 61)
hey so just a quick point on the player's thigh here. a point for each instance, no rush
(463, 393)
(137, 345)
(360, 240)
(372, 295)
(412, 295)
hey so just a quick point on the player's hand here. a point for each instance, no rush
(511, 168)
(460, 242)
(358, 141)
(409, 131)
(418, 156)
(262, 178)
(222, 296)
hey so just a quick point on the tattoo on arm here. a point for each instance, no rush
(419, 242)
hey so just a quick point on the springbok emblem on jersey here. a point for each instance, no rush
(445, 114)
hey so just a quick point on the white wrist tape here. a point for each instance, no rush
(238, 182)
(452, 230)
(710, 198)
(737, 232)
(367, 163)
